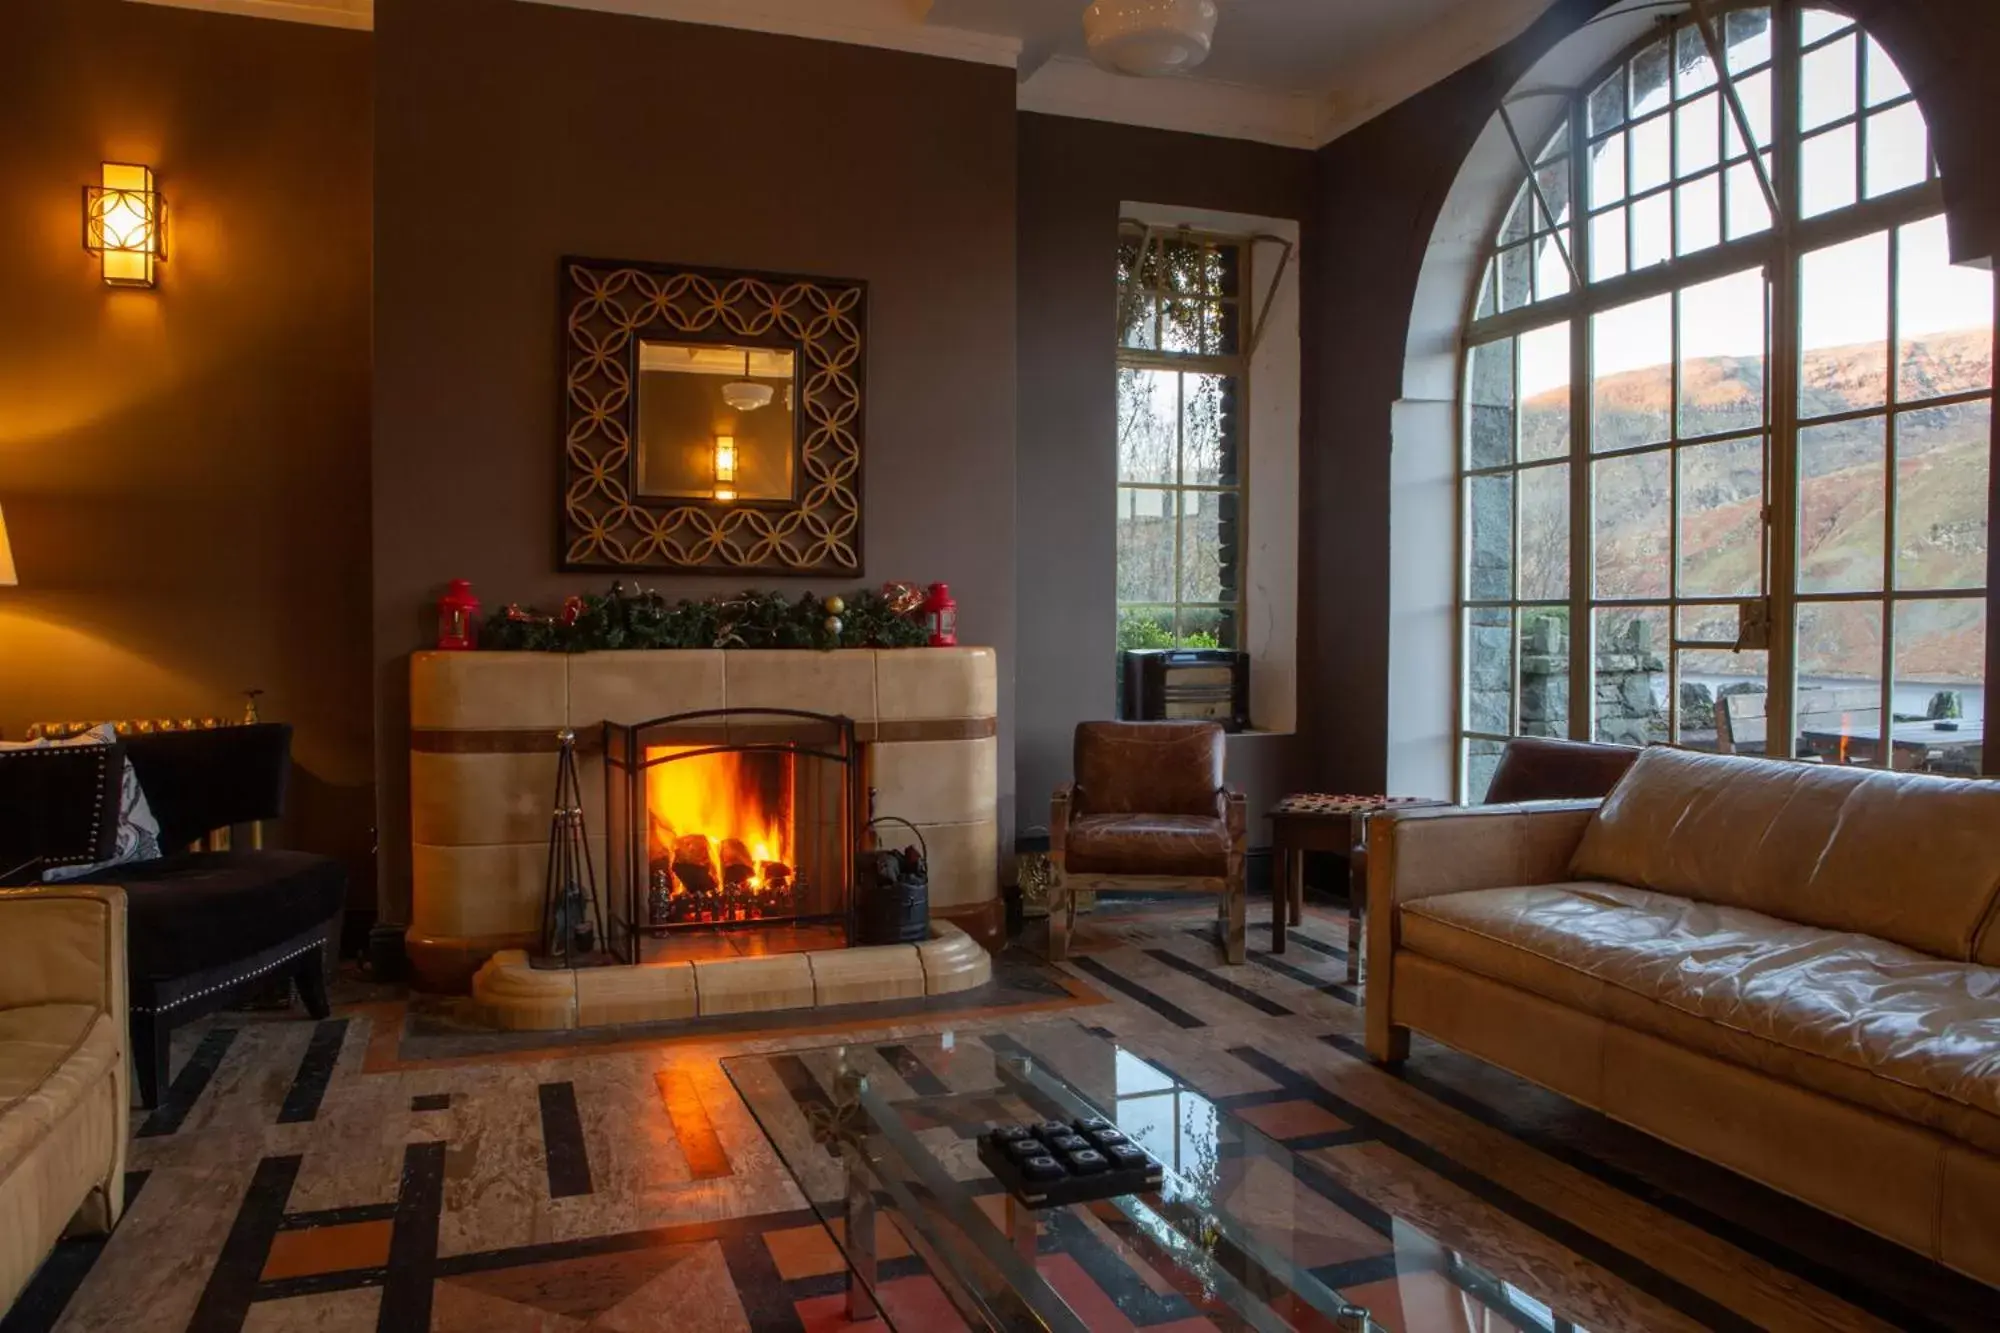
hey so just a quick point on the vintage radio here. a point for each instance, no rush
(1174, 684)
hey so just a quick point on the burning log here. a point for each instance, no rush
(694, 864)
(660, 838)
(738, 869)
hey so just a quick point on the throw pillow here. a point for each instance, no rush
(138, 830)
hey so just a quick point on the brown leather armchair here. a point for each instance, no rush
(1148, 810)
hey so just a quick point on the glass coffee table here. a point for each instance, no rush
(889, 1132)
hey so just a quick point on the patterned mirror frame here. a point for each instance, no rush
(608, 308)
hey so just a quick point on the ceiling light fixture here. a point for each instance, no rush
(1148, 38)
(742, 394)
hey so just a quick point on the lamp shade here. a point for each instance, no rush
(7, 577)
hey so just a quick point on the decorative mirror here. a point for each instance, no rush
(711, 420)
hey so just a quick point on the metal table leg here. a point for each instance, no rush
(1357, 899)
(1022, 1229)
(1295, 889)
(1281, 881)
(861, 1270)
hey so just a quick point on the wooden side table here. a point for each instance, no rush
(1320, 822)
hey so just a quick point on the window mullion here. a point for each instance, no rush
(1885, 750)
(1582, 634)
(1782, 454)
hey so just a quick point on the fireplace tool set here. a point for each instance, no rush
(572, 927)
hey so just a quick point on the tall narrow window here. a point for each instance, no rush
(1724, 482)
(1182, 381)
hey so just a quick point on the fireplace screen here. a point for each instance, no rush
(725, 819)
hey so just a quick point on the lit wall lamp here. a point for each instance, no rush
(725, 467)
(125, 224)
(8, 579)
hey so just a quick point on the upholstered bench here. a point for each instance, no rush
(204, 927)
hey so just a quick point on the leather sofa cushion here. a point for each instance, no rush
(1862, 1019)
(51, 1056)
(1147, 845)
(1163, 768)
(196, 910)
(1543, 768)
(1904, 857)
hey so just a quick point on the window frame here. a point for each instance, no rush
(1778, 251)
(1235, 365)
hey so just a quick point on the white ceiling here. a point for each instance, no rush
(1292, 46)
(1293, 72)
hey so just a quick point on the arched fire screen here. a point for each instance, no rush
(728, 818)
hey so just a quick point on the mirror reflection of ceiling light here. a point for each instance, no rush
(1148, 38)
(743, 395)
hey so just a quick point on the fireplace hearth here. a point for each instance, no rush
(729, 820)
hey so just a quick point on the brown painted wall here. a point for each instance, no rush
(510, 134)
(184, 471)
(1073, 176)
(1378, 191)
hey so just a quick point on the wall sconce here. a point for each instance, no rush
(125, 224)
(8, 578)
(725, 467)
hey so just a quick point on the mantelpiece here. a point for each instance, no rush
(483, 755)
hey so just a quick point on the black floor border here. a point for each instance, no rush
(807, 1094)
(179, 1096)
(1263, 1004)
(567, 1155)
(337, 1217)
(315, 1072)
(1834, 1281)
(232, 1283)
(1166, 1009)
(1338, 990)
(413, 1242)
(620, 1242)
(1627, 1267)
(910, 1067)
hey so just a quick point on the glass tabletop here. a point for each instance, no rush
(883, 1139)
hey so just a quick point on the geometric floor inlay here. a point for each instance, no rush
(384, 1171)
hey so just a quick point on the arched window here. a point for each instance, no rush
(1727, 414)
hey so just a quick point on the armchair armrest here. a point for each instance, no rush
(1448, 849)
(63, 944)
(1061, 805)
(1235, 815)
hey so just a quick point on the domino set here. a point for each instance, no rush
(1054, 1163)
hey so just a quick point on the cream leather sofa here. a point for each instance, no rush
(1788, 969)
(63, 1098)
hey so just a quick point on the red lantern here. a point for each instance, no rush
(458, 617)
(941, 612)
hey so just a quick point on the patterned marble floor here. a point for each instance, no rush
(376, 1172)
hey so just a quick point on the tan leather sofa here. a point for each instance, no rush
(63, 1098)
(1791, 970)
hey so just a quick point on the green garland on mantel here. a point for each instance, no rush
(623, 617)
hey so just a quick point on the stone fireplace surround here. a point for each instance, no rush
(482, 776)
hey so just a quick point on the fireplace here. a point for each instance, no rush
(728, 820)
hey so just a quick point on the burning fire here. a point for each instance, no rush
(719, 835)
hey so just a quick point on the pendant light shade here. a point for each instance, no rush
(743, 395)
(1148, 38)
(7, 576)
